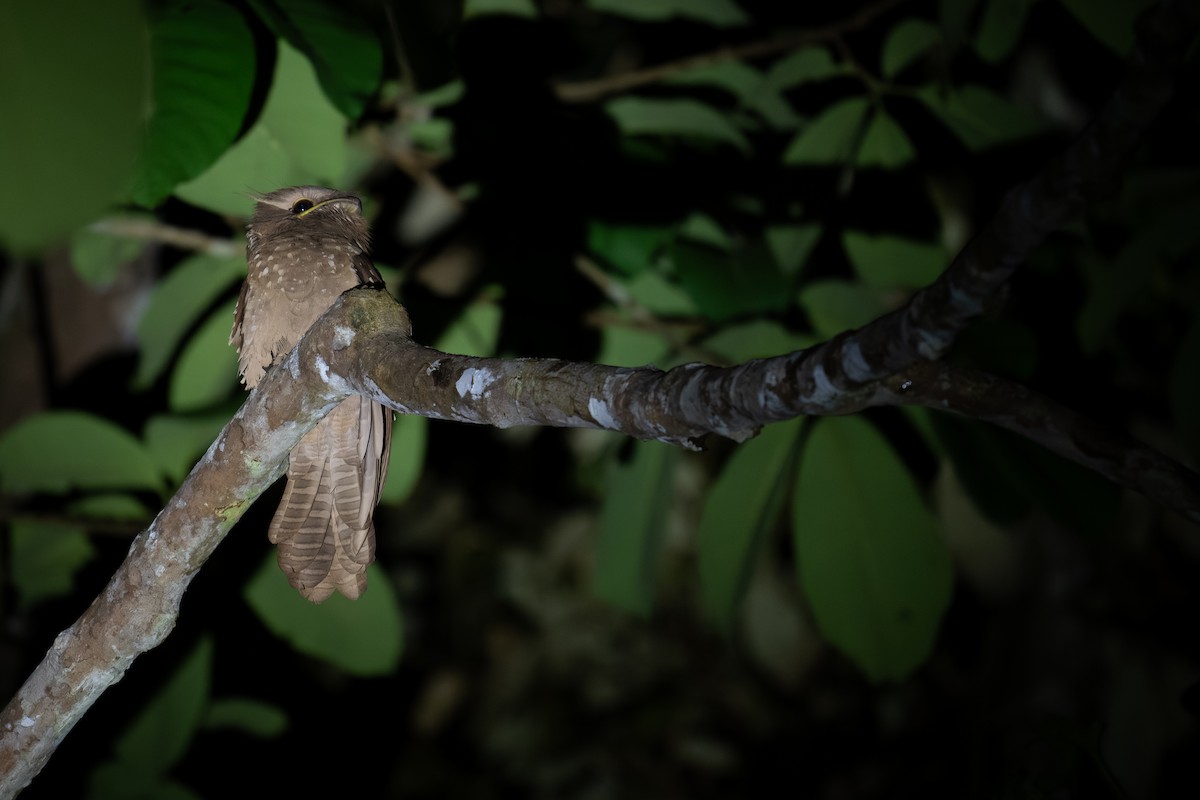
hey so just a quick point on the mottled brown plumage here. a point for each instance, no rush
(307, 245)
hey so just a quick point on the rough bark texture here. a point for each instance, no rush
(361, 346)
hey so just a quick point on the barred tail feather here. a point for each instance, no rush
(324, 526)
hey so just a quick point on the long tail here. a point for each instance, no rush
(324, 526)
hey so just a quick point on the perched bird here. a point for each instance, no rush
(306, 245)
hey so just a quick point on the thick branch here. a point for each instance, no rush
(927, 326)
(139, 606)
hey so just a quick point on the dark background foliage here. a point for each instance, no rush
(1064, 661)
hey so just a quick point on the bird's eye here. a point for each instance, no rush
(301, 206)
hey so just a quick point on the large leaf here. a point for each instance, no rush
(726, 285)
(752, 88)
(806, 65)
(73, 97)
(632, 517)
(720, 13)
(177, 442)
(247, 715)
(642, 116)
(629, 248)
(298, 139)
(906, 42)
(206, 372)
(203, 76)
(159, 735)
(891, 262)
(474, 332)
(98, 257)
(176, 304)
(1110, 21)
(791, 245)
(876, 574)
(57, 451)
(1001, 27)
(339, 44)
(885, 144)
(362, 637)
(760, 338)
(409, 434)
(834, 306)
(45, 557)
(979, 117)
(832, 137)
(742, 507)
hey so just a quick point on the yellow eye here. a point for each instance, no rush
(301, 206)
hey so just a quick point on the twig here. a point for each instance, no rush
(589, 91)
(1107, 452)
(155, 231)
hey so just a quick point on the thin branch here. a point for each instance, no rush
(155, 231)
(590, 91)
(1107, 452)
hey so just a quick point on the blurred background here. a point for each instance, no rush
(893, 604)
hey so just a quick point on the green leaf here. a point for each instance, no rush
(474, 332)
(176, 304)
(905, 43)
(659, 295)
(891, 262)
(299, 138)
(760, 338)
(362, 637)
(178, 442)
(1000, 28)
(73, 102)
(57, 451)
(340, 45)
(632, 517)
(409, 434)
(834, 306)
(99, 257)
(45, 557)
(641, 116)
(741, 509)
(1112, 22)
(979, 117)
(118, 780)
(726, 285)
(751, 88)
(519, 8)
(791, 245)
(204, 66)
(1006, 475)
(247, 715)
(624, 346)
(885, 144)
(161, 732)
(806, 65)
(701, 228)
(110, 506)
(832, 137)
(206, 372)
(719, 13)
(629, 248)
(869, 559)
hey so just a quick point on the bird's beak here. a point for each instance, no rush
(348, 199)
